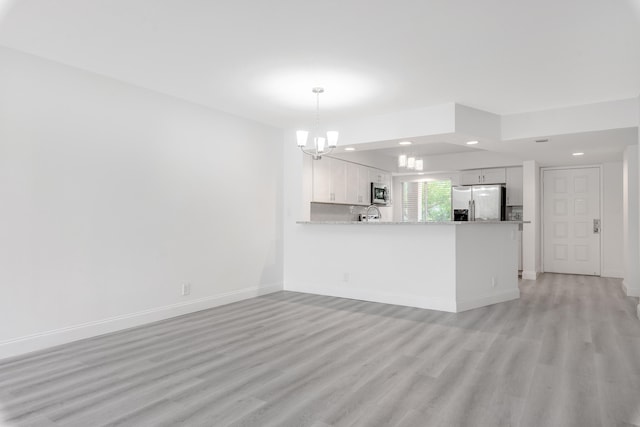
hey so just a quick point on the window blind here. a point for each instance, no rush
(426, 201)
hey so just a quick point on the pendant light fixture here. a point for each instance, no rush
(321, 145)
(410, 162)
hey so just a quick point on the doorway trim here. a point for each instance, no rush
(602, 228)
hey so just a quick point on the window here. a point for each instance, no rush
(426, 200)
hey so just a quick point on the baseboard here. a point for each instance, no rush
(614, 274)
(484, 301)
(630, 290)
(42, 340)
(529, 275)
(416, 301)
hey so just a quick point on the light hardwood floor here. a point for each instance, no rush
(566, 354)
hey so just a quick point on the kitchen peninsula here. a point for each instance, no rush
(449, 266)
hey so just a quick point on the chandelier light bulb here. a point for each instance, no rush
(332, 138)
(402, 161)
(419, 164)
(411, 162)
(320, 141)
(302, 136)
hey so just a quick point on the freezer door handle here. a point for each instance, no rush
(596, 226)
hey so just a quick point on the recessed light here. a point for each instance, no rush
(421, 173)
(349, 149)
(472, 142)
(578, 154)
(404, 142)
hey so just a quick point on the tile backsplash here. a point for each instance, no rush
(331, 212)
(514, 213)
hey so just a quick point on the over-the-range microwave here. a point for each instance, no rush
(379, 194)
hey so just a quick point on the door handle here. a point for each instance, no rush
(596, 226)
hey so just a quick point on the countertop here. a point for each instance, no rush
(414, 223)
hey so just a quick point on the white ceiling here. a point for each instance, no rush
(449, 152)
(259, 59)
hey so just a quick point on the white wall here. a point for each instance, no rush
(617, 114)
(637, 158)
(114, 196)
(432, 120)
(630, 212)
(381, 262)
(612, 245)
(369, 158)
(477, 123)
(434, 266)
(613, 248)
(531, 212)
(470, 160)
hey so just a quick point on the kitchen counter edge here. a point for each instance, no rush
(413, 223)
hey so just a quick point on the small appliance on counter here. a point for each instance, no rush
(461, 214)
(369, 217)
(514, 213)
(379, 194)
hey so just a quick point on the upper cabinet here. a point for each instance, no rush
(322, 189)
(494, 176)
(329, 180)
(339, 181)
(483, 176)
(514, 186)
(358, 185)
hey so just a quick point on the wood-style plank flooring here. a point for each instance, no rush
(566, 354)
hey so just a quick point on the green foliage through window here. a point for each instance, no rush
(426, 201)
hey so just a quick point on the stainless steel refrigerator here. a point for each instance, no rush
(478, 203)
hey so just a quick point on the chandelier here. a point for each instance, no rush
(321, 145)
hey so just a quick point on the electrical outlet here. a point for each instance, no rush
(186, 289)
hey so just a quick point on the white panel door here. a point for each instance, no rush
(571, 221)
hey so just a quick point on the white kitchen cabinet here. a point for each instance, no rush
(514, 186)
(322, 180)
(483, 176)
(364, 186)
(494, 176)
(352, 182)
(358, 184)
(329, 180)
(471, 177)
(339, 181)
